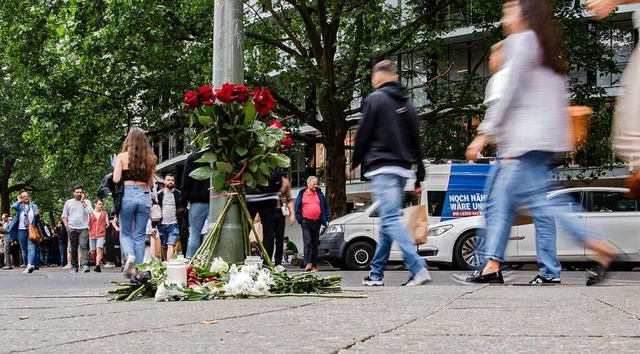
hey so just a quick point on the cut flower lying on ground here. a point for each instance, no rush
(221, 280)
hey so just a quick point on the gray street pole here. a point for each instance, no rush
(228, 66)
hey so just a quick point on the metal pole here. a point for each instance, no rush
(228, 67)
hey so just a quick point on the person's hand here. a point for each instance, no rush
(417, 191)
(292, 220)
(38, 213)
(475, 148)
(117, 229)
(602, 8)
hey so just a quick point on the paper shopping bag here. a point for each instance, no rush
(415, 219)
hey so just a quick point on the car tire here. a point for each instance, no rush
(465, 251)
(359, 255)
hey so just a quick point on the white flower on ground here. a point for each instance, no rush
(219, 266)
(161, 293)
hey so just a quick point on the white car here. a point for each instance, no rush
(606, 209)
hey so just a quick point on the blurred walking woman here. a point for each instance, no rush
(530, 124)
(26, 213)
(134, 167)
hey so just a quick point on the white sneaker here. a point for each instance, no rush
(28, 269)
(422, 278)
(370, 282)
(129, 266)
(280, 268)
(68, 266)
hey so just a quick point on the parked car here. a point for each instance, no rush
(455, 242)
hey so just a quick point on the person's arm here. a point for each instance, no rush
(65, 215)
(298, 207)
(520, 63)
(114, 223)
(365, 131)
(106, 219)
(187, 181)
(86, 205)
(117, 169)
(476, 147)
(602, 8)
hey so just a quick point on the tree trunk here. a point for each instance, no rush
(335, 170)
(5, 192)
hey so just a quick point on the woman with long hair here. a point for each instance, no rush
(530, 125)
(134, 168)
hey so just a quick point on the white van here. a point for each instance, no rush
(452, 191)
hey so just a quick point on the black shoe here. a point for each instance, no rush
(97, 269)
(491, 278)
(540, 280)
(596, 275)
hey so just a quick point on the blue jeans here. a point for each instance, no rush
(134, 213)
(198, 214)
(63, 253)
(523, 181)
(168, 234)
(28, 248)
(388, 190)
(310, 241)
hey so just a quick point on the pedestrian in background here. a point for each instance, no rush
(312, 211)
(169, 227)
(26, 213)
(63, 238)
(195, 197)
(388, 145)
(98, 223)
(134, 167)
(282, 214)
(530, 125)
(6, 241)
(75, 216)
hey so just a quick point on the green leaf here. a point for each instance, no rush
(249, 112)
(205, 120)
(264, 168)
(263, 181)
(248, 179)
(253, 166)
(282, 160)
(224, 166)
(202, 173)
(208, 157)
(219, 180)
(241, 150)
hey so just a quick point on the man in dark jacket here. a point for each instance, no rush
(387, 145)
(195, 193)
(312, 211)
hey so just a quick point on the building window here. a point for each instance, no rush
(621, 39)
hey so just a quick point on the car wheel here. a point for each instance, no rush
(359, 255)
(466, 252)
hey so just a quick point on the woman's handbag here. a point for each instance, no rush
(156, 213)
(415, 220)
(34, 234)
(579, 123)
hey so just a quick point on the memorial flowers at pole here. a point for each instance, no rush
(242, 143)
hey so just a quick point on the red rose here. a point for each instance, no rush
(275, 124)
(241, 93)
(263, 101)
(225, 94)
(287, 141)
(230, 93)
(207, 95)
(191, 99)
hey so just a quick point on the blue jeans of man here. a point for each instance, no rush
(134, 213)
(168, 234)
(63, 253)
(198, 214)
(388, 189)
(310, 240)
(28, 247)
(523, 181)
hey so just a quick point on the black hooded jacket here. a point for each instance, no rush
(389, 131)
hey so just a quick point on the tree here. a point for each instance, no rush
(316, 57)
